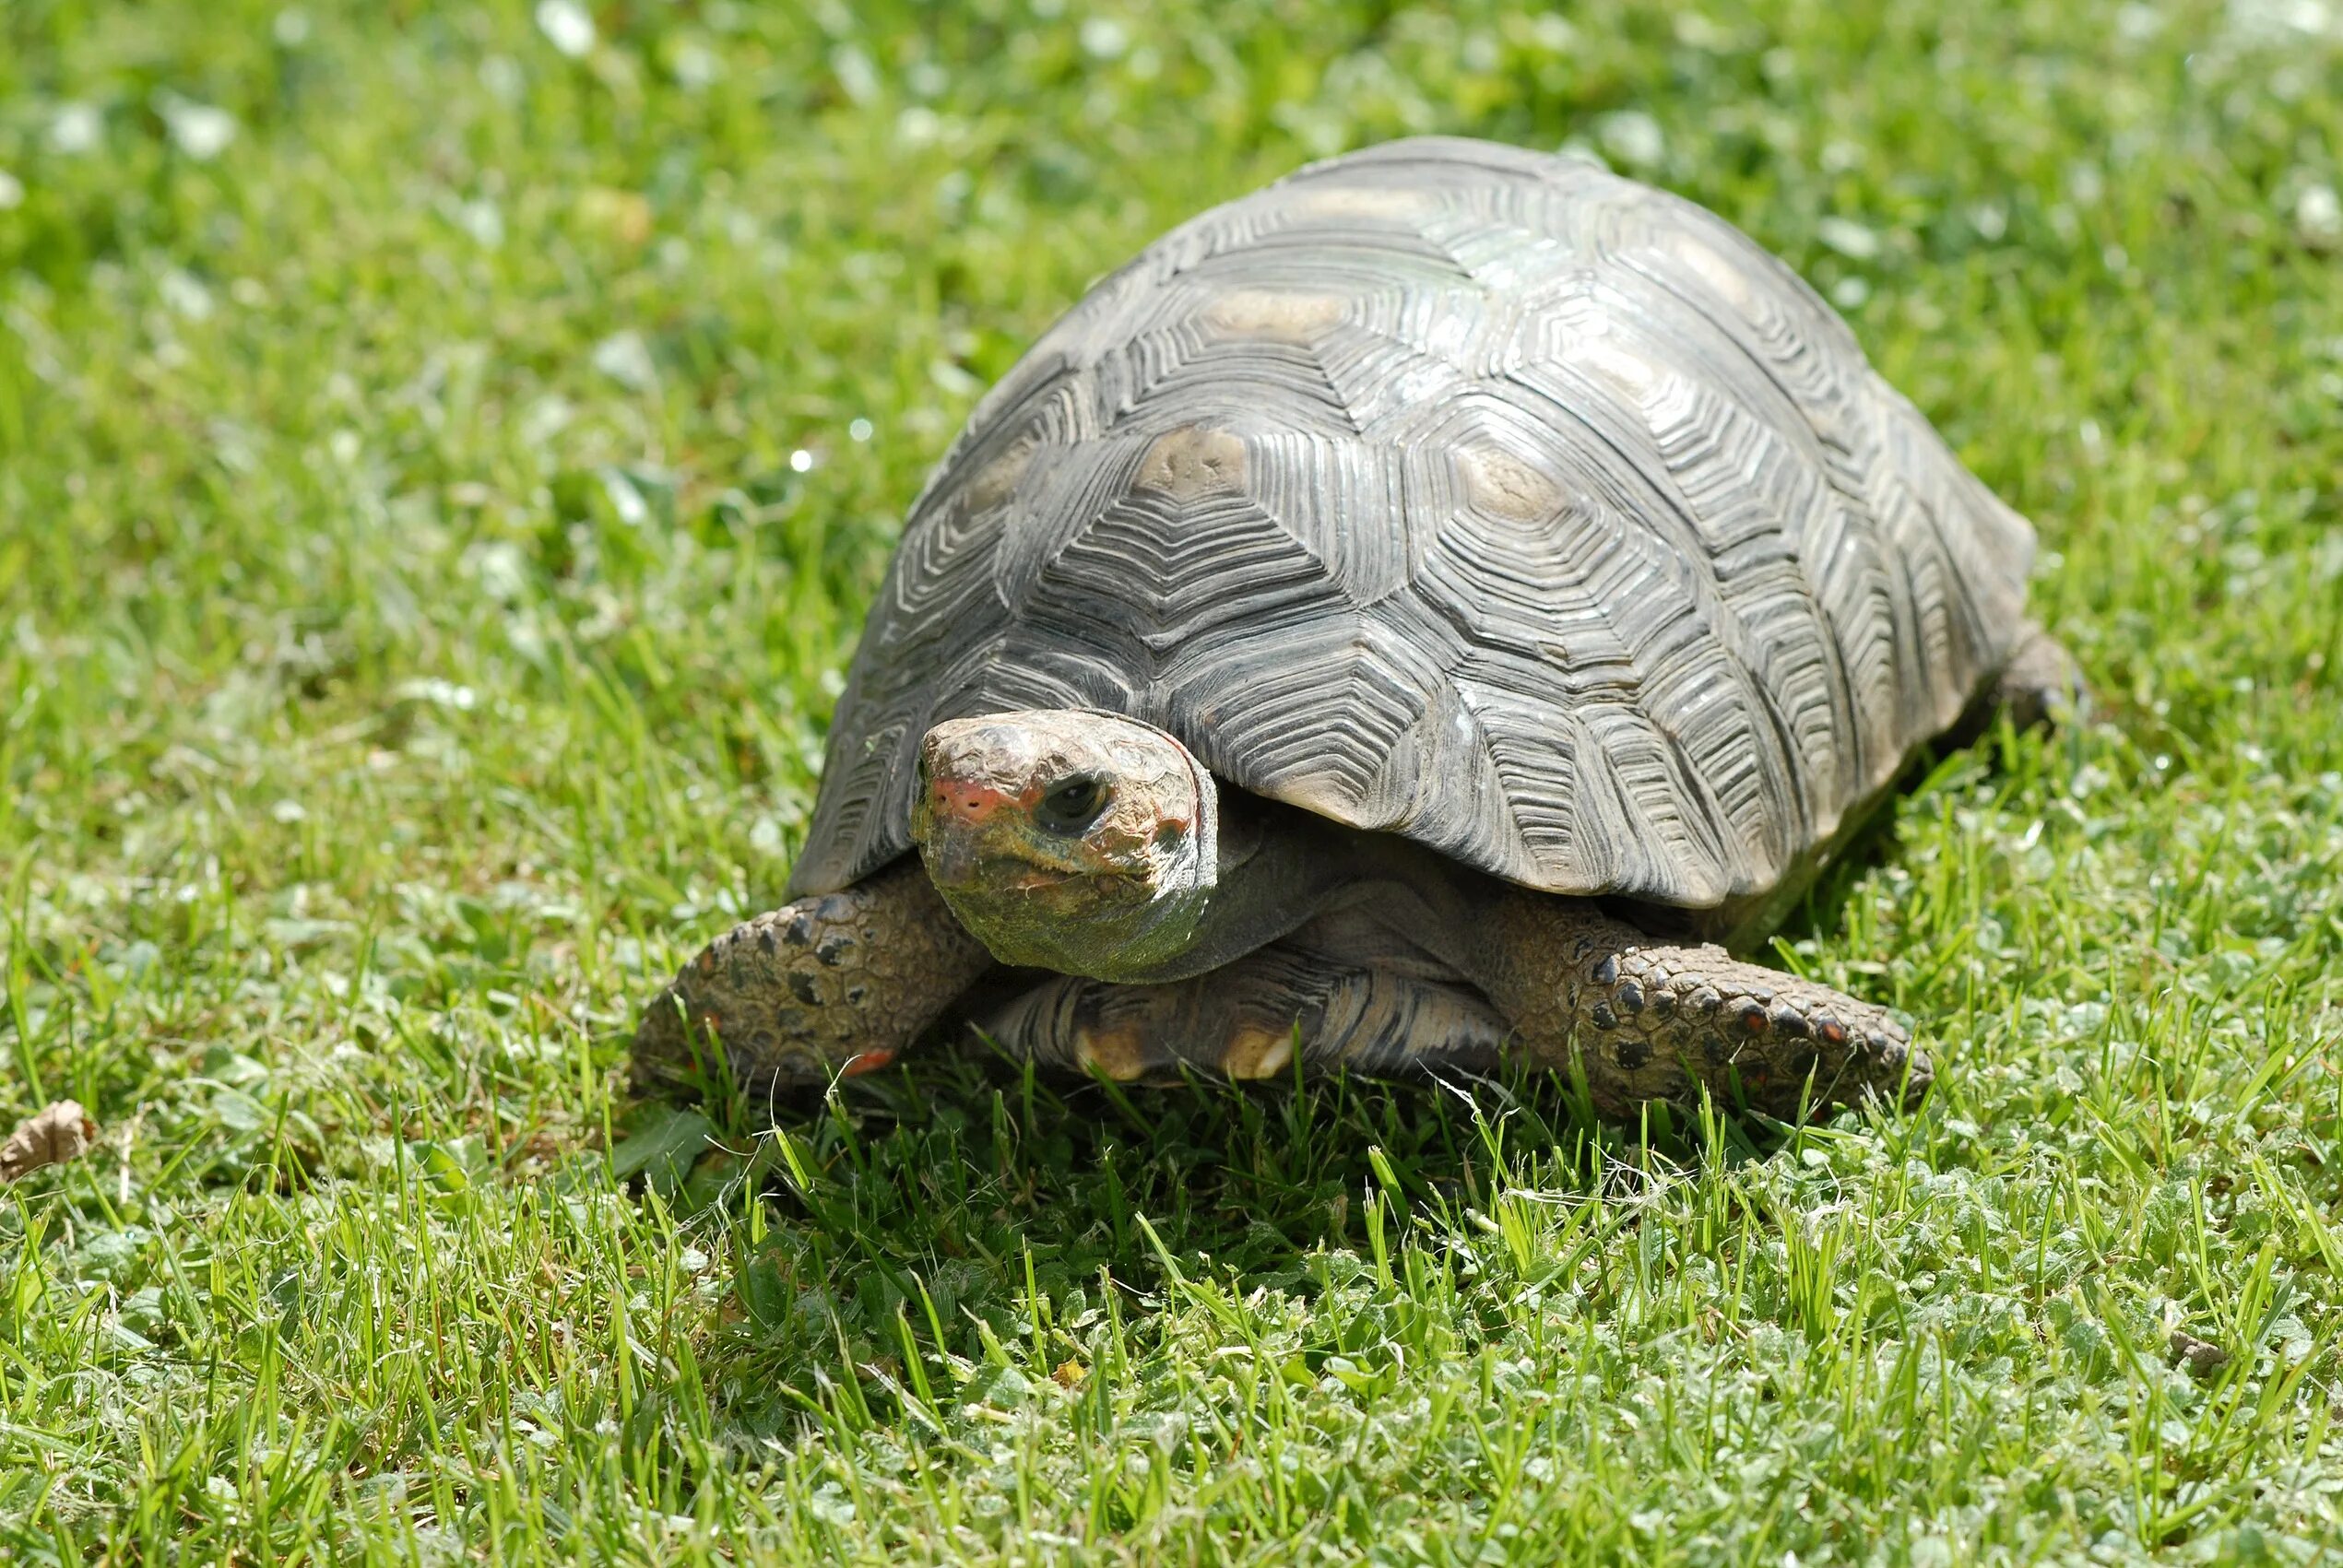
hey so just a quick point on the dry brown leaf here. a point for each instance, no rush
(62, 1132)
(2202, 1357)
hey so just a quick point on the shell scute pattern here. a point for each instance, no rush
(1462, 492)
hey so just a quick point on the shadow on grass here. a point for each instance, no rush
(958, 1205)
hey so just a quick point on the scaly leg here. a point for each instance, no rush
(1652, 1021)
(1244, 1020)
(835, 984)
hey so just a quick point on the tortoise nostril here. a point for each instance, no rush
(965, 802)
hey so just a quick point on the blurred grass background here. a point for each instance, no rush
(445, 452)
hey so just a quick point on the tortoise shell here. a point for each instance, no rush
(1462, 492)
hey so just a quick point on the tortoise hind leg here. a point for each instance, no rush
(2041, 684)
(829, 984)
(1246, 1020)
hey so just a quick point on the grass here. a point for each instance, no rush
(440, 474)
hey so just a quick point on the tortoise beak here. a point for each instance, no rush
(958, 863)
(953, 863)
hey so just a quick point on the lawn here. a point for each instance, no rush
(445, 453)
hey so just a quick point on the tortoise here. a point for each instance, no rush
(1406, 618)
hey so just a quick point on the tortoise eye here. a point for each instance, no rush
(1073, 804)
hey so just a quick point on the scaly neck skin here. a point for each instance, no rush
(1277, 867)
(1280, 866)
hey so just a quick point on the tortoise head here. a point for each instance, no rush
(1069, 840)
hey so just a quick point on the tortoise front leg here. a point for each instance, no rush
(1651, 1020)
(830, 985)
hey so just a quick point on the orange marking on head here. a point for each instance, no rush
(971, 803)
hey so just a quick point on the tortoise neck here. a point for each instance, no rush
(1278, 866)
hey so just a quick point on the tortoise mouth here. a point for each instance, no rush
(1029, 879)
(992, 878)
(1003, 874)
